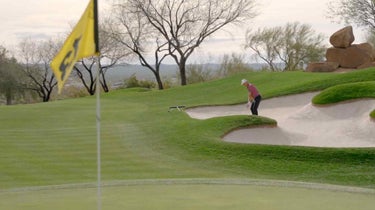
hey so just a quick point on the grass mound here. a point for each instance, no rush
(345, 92)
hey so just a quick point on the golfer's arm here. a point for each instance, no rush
(250, 97)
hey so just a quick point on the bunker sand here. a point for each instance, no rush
(300, 123)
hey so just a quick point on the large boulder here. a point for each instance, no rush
(351, 57)
(367, 47)
(344, 55)
(366, 65)
(322, 67)
(342, 38)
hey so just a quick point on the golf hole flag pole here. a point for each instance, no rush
(82, 42)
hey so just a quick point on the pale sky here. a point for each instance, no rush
(44, 18)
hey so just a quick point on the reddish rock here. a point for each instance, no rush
(342, 38)
(367, 65)
(344, 70)
(322, 67)
(351, 57)
(367, 48)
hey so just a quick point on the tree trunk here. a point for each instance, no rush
(47, 95)
(182, 68)
(158, 80)
(9, 99)
(103, 82)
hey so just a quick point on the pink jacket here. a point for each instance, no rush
(253, 90)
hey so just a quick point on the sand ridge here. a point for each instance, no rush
(300, 123)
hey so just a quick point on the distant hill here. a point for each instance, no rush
(121, 72)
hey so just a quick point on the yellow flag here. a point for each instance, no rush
(81, 43)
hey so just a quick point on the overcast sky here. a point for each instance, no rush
(44, 18)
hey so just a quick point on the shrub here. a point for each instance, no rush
(197, 73)
(132, 81)
(70, 92)
(232, 65)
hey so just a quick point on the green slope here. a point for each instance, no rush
(55, 143)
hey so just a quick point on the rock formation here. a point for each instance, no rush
(344, 54)
(343, 38)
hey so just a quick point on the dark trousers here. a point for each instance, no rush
(255, 104)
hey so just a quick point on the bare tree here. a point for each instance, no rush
(292, 45)
(85, 71)
(36, 57)
(186, 24)
(358, 12)
(110, 53)
(132, 29)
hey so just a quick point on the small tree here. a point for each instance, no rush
(264, 42)
(36, 57)
(293, 46)
(110, 53)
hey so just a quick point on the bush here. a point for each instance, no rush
(233, 64)
(167, 83)
(69, 92)
(132, 81)
(197, 73)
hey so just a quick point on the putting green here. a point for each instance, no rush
(191, 194)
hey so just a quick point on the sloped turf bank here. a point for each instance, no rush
(197, 140)
(350, 91)
(55, 143)
(284, 161)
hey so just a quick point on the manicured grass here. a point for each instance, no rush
(195, 194)
(55, 143)
(350, 91)
(344, 92)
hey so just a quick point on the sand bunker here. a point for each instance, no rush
(300, 123)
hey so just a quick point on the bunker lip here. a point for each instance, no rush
(342, 125)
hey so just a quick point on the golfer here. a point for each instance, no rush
(254, 97)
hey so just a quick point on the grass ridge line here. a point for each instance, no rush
(199, 181)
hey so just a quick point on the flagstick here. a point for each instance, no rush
(63, 63)
(96, 40)
(98, 132)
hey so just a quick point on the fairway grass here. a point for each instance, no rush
(197, 194)
(54, 144)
